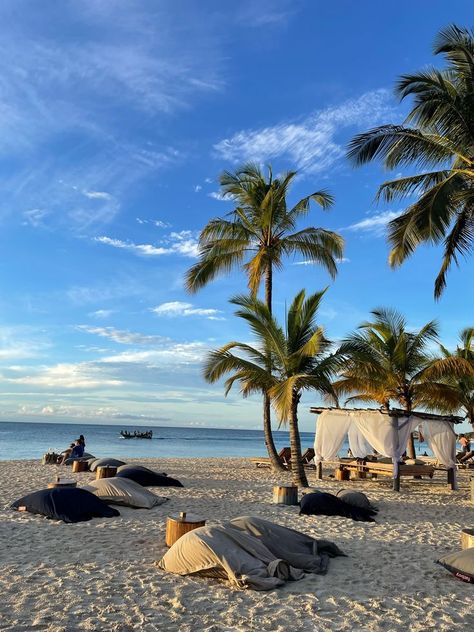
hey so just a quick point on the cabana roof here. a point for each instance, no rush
(393, 412)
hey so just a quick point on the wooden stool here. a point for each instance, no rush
(340, 474)
(80, 466)
(64, 482)
(467, 538)
(285, 494)
(179, 524)
(105, 471)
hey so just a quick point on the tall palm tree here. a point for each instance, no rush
(300, 360)
(455, 369)
(256, 236)
(383, 362)
(437, 138)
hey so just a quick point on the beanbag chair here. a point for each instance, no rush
(85, 457)
(104, 462)
(124, 491)
(324, 504)
(69, 504)
(460, 564)
(355, 498)
(146, 477)
(249, 552)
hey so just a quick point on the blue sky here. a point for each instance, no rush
(116, 118)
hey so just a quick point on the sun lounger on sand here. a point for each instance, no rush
(386, 469)
(285, 456)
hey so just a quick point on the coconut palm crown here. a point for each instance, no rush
(261, 231)
(300, 360)
(383, 362)
(455, 369)
(437, 140)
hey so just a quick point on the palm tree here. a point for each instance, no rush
(256, 236)
(299, 361)
(383, 362)
(456, 371)
(437, 138)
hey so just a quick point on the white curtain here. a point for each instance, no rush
(441, 438)
(331, 429)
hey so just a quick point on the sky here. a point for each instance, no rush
(116, 119)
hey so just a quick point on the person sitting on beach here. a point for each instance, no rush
(464, 443)
(76, 450)
(82, 441)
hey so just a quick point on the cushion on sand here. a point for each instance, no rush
(250, 552)
(104, 462)
(355, 498)
(324, 504)
(68, 504)
(460, 564)
(124, 491)
(85, 457)
(146, 477)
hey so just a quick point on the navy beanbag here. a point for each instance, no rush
(69, 504)
(324, 504)
(147, 477)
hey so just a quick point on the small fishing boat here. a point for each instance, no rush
(126, 434)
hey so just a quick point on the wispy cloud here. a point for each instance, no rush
(217, 195)
(375, 224)
(310, 262)
(311, 144)
(69, 376)
(123, 336)
(101, 314)
(177, 308)
(182, 243)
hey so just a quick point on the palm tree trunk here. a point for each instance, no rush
(275, 460)
(297, 469)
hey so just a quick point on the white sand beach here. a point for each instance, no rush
(101, 575)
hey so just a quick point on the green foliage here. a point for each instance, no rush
(260, 230)
(437, 133)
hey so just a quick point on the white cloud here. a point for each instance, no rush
(183, 243)
(311, 144)
(375, 224)
(197, 188)
(310, 262)
(169, 354)
(123, 336)
(97, 195)
(217, 195)
(69, 376)
(35, 216)
(178, 308)
(101, 314)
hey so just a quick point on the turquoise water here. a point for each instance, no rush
(32, 440)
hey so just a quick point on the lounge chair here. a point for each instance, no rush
(285, 456)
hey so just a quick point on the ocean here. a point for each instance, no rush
(31, 440)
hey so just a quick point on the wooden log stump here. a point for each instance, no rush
(63, 482)
(340, 474)
(105, 471)
(285, 494)
(80, 466)
(179, 524)
(467, 538)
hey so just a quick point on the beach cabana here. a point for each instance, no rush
(385, 432)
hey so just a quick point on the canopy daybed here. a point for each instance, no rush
(387, 433)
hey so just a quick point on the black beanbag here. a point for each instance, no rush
(106, 461)
(356, 499)
(324, 504)
(146, 477)
(68, 504)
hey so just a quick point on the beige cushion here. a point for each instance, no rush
(460, 564)
(123, 491)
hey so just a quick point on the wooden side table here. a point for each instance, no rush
(105, 471)
(63, 482)
(80, 466)
(179, 524)
(285, 494)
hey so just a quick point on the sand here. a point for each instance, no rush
(101, 575)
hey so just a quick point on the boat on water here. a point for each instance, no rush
(136, 434)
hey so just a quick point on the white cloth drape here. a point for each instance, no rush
(369, 430)
(441, 438)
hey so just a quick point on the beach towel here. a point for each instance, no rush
(124, 491)
(146, 477)
(69, 505)
(249, 552)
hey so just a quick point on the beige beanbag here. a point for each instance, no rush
(460, 564)
(123, 491)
